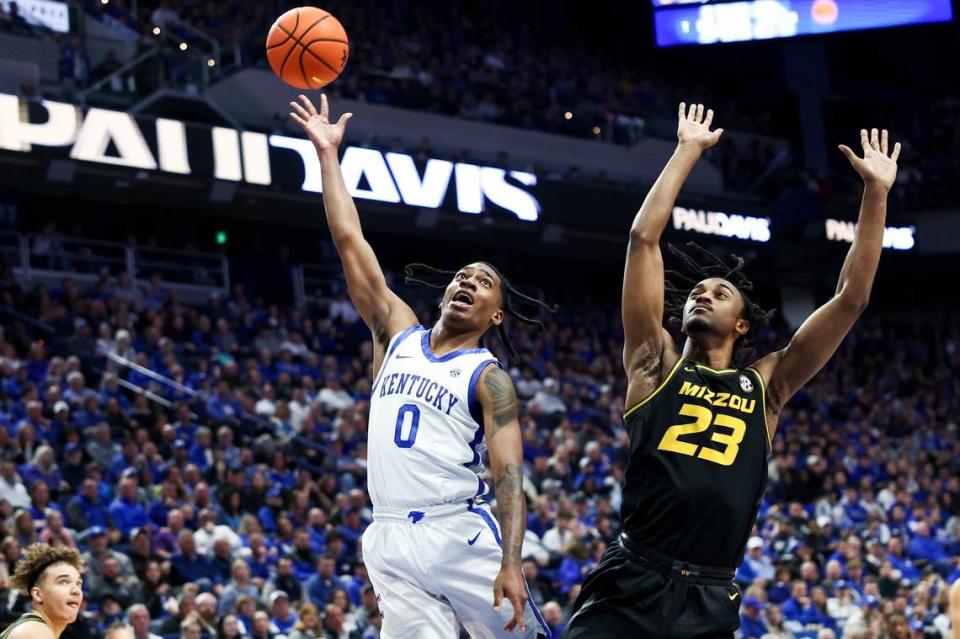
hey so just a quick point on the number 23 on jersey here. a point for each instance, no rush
(728, 431)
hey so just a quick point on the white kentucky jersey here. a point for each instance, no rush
(425, 435)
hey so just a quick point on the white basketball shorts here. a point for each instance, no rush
(433, 570)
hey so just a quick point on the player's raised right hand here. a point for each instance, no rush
(694, 127)
(879, 163)
(323, 133)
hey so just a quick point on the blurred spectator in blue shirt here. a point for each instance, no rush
(126, 510)
(752, 625)
(188, 566)
(322, 584)
(222, 406)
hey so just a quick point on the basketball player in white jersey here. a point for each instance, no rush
(436, 557)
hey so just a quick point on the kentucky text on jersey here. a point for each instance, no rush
(420, 387)
(720, 400)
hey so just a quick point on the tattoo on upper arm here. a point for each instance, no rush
(777, 396)
(648, 359)
(503, 397)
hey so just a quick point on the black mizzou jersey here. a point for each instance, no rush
(27, 616)
(698, 464)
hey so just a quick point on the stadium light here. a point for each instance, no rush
(156, 31)
(211, 63)
(597, 130)
(567, 116)
(104, 1)
(183, 46)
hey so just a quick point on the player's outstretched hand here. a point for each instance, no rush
(876, 166)
(323, 133)
(694, 127)
(510, 584)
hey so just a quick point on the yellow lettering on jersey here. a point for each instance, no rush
(720, 400)
(689, 389)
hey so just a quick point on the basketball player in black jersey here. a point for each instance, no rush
(700, 428)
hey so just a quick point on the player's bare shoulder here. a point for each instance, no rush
(32, 630)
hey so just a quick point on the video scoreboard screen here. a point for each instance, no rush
(49, 14)
(685, 22)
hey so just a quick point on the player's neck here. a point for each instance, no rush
(710, 352)
(56, 625)
(445, 340)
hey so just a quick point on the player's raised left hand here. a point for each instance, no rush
(877, 166)
(510, 584)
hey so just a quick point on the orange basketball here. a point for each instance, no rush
(307, 47)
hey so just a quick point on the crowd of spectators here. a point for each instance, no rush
(480, 64)
(232, 502)
(483, 64)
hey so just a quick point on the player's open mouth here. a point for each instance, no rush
(700, 307)
(462, 297)
(73, 604)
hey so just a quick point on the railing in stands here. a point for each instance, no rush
(153, 397)
(181, 58)
(245, 420)
(50, 256)
(314, 283)
(163, 379)
(26, 319)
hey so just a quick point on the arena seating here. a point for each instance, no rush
(169, 441)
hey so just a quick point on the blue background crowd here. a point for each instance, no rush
(208, 458)
(231, 500)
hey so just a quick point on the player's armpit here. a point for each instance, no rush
(648, 366)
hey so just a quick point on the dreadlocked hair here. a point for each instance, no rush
(706, 264)
(515, 304)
